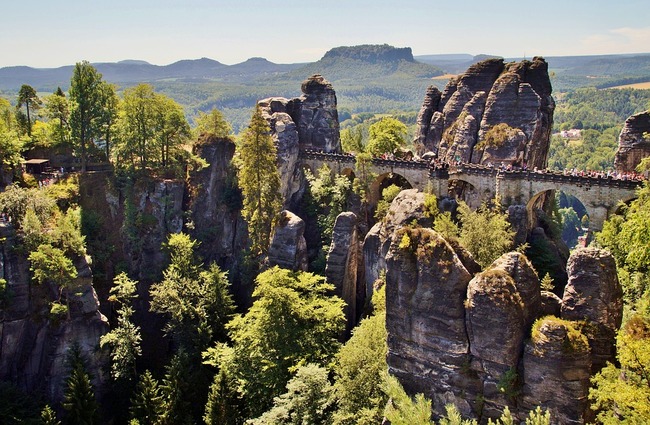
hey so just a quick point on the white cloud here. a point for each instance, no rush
(618, 40)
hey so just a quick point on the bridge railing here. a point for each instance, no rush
(477, 169)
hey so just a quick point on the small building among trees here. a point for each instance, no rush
(37, 166)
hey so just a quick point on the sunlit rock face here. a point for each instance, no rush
(456, 124)
(633, 142)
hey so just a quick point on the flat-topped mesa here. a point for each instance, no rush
(495, 112)
(633, 142)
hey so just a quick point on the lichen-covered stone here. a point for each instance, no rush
(594, 294)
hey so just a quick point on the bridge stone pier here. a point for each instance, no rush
(600, 196)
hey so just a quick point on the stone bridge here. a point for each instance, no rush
(601, 197)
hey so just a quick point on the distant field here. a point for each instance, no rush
(444, 77)
(638, 86)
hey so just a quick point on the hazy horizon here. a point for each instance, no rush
(43, 34)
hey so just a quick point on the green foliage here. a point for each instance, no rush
(306, 402)
(87, 100)
(387, 196)
(197, 302)
(575, 340)
(363, 176)
(79, 397)
(58, 312)
(259, 180)
(622, 394)
(386, 136)
(546, 284)
(152, 130)
(177, 391)
(49, 263)
(223, 406)
(124, 339)
(359, 370)
(293, 321)
(537, 417)
(571, 226)
(485, 233)
(16, 407)
(352, 140)
(496, 136)
(66, 233)
(330, 193)
(431, 206)
(509, 384)
(402, 409)
(446, 226)
(16, 201)
(48, 417)
(27, 96)
(57, 110)
(454, 417)
(147, 404)
(213, 123)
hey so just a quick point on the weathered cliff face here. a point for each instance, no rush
(465, 338)
(288, 247)
(343, 265)
(214, 203)
(633, 142)
(406, 208)
(593, 293)
(310, 121)
(491, 92)
(33, 344)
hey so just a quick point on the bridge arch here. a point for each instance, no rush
(382, 182)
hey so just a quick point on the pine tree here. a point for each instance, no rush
(79, 398)
(177, 393)
(259, 180)
(48, 417)
(147, 404)
(223, 403)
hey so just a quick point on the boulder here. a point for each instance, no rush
(288, 247)
(633, 142)
(557, 368)
(594, 294)
(343, 262)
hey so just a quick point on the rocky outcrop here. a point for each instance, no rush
(483, 341)
(594, 294)
(306, 122)
(288, 247)
(343, 263)
(556, 374)
(633, 142)
(214, 203)
(490, 92)
(34, 343)
(406, 208)
(428, 348)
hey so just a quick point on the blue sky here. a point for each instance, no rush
(47, 33)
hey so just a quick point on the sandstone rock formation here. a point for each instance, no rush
(406, 208)
(482, 341)
(288, 247)
(556, 374)
(214, 204)
(457, 123)
(595, 295)
(33, 344)
(306, 122)
(633, 142)
(426, 286)
(343, 264)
